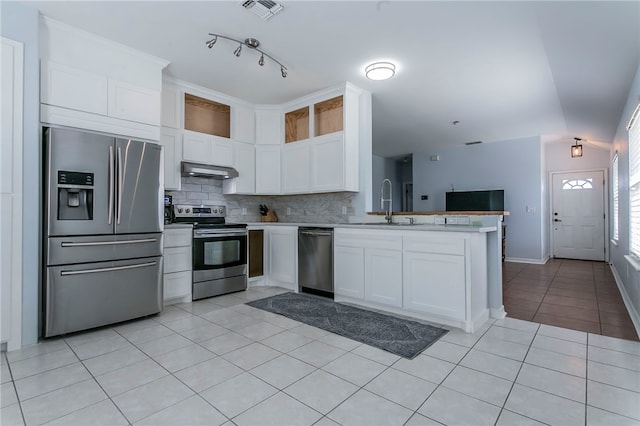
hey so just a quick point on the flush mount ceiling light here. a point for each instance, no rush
(252, 44)
(576, 149)
(380, 71)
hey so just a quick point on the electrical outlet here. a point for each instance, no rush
(424, 197)
(463, 220)
(344, 209)
(244, 211)
(288, 211)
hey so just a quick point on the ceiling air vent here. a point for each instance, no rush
(473, 143)
(265, 9)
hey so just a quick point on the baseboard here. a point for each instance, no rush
(635, 318)
(525, 260)
(498, 313)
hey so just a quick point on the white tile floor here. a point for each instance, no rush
(218, 361)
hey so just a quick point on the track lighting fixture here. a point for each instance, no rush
(251, 43)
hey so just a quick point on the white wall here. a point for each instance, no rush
(558, 157)
(20, 23)
(630, 278)
(514, 165)
(386, 168)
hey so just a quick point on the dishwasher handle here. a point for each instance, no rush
(315, 233)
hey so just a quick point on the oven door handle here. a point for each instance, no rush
(220, 234)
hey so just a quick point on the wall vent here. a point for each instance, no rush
(265, 9)
(473, 143)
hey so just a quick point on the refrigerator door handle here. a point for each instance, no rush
(111, 184)
(120, 182)
(108, 243)
(114, 268)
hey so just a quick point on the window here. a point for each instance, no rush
(614, 184)
(634, 182)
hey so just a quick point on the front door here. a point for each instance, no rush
(577, 219)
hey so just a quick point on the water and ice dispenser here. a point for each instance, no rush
(75, 195)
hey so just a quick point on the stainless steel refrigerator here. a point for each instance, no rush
(103, 230)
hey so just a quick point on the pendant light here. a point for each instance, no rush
(576, 149)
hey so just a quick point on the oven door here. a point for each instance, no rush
(224, 249)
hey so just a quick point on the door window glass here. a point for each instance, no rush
(577, 183)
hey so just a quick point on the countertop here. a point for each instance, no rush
(395, 227)
(445, 213)
(178, 226)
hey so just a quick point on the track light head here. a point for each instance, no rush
(211, 42)
(261, 60)
(238, 51)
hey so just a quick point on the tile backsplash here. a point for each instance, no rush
(307, 208)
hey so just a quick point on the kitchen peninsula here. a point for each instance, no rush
(445, 273)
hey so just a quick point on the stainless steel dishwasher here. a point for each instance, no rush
(315, 260)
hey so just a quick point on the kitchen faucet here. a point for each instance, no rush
(389, 200)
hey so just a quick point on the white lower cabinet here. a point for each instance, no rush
(348, 266)
(177, 265)
(383, 276)
(368, 266)
(282, 256)
(435, 284)
(436, 276)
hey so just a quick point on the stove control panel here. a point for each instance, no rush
(191, 211)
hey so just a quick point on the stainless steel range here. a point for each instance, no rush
(219, 250)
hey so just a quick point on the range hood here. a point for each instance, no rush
(207, 170)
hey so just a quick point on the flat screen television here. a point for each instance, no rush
(466, 201)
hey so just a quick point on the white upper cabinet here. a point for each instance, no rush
(208, 149)
(92, 83)
(243, 120)
(196, 146)
(171, 140)
(171, 106)
(134, 103)
(296, 160)
(268, 175)
(329, 123)
(310, 145)
(268, 126)
(327, 163)
(73, 88)
(245, 164)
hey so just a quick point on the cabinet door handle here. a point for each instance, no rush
(557, 220)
